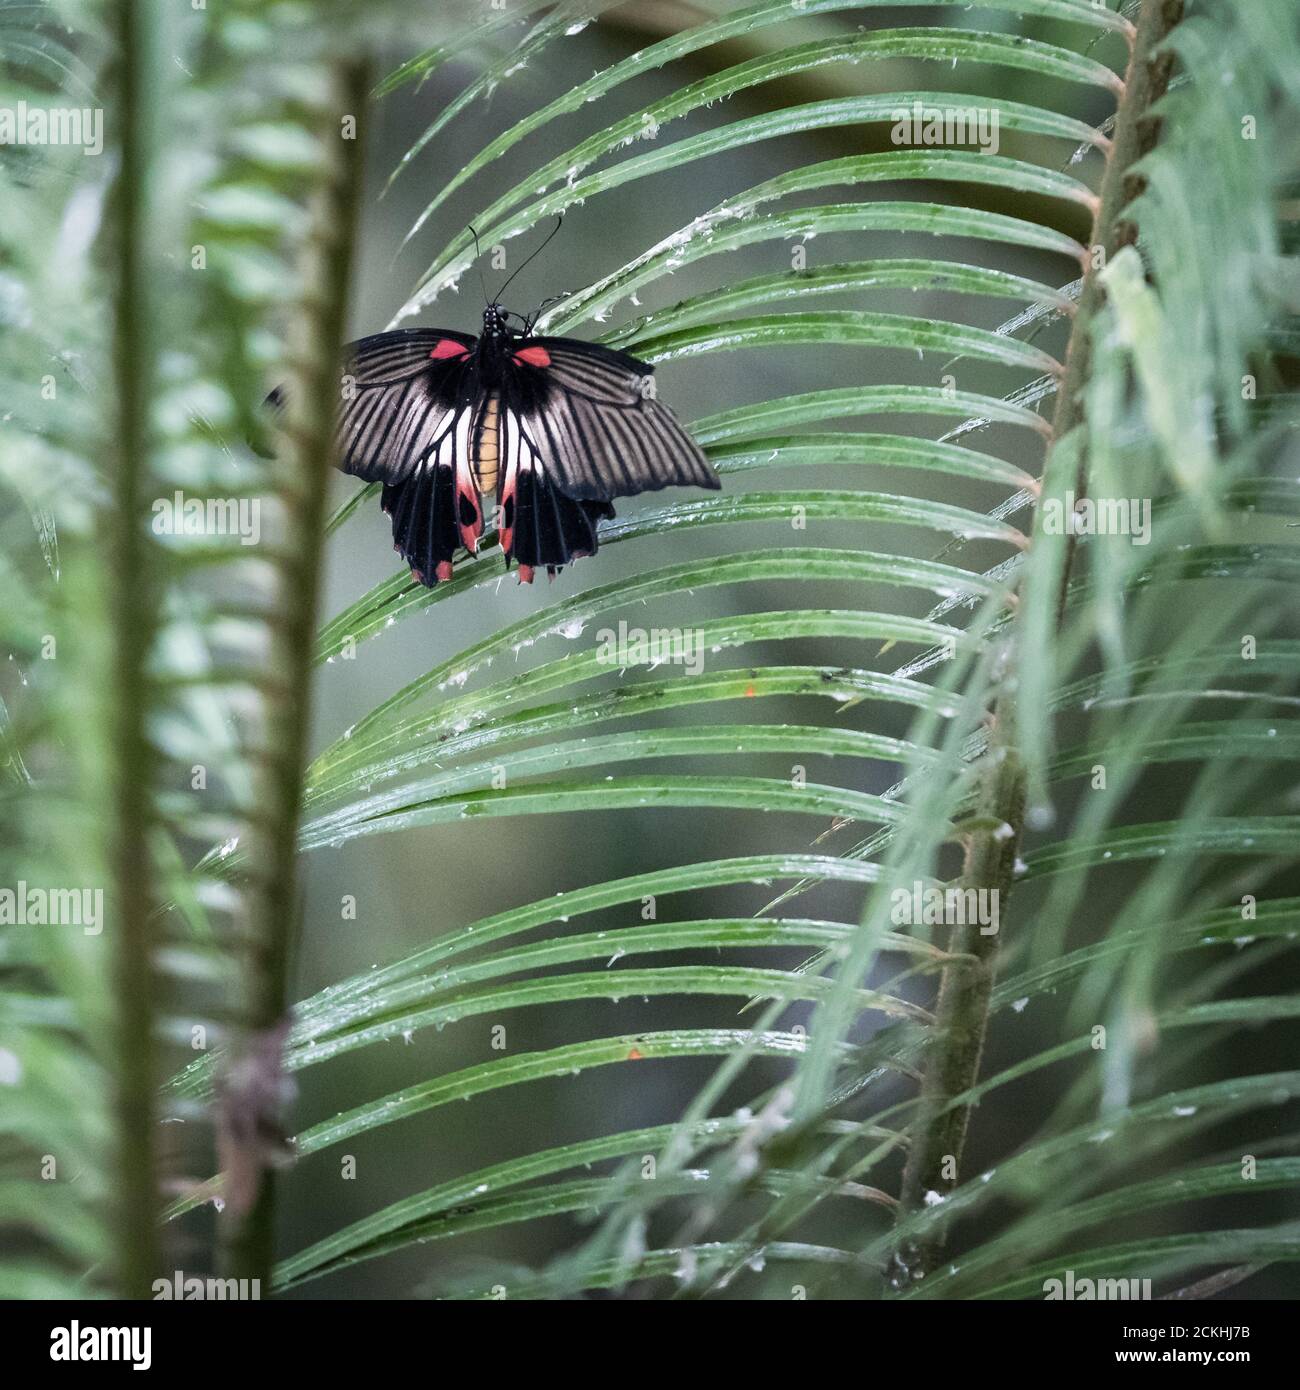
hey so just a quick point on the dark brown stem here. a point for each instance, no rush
(953, 1061)
(1136, 132)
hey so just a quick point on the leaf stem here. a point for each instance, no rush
(253, 1082)
(953, 1061)
(1136, 132)
(133, 608)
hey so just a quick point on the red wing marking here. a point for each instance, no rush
(469, 514)
(449, 347)
(533, 357)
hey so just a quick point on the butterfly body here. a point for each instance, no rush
(549, 431)
(486, 455)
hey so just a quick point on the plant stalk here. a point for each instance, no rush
(1136, 132)
(254, 1088)
(952, 1064)
(133, 609)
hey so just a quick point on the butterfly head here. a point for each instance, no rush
(496, 322)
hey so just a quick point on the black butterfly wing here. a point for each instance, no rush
(423, 513)
(402, 393)
(594, 417)
(539, 524)
(409, 400)
(578, 425)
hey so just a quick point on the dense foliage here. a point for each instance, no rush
(1096, 729)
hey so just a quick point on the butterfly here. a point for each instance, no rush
(551, 429)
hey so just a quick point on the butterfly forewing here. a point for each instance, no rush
(399, 401)
(603, 431)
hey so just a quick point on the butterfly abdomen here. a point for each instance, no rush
(487, 446)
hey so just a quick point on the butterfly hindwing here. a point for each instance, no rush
(597, 423)
(424, 513)
(539, 524)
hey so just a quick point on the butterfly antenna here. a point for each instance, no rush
(478, 261)
(559, 221)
